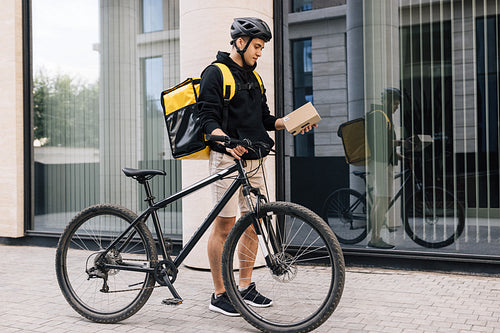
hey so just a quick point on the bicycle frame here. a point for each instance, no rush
(407, 176)
(240, 180)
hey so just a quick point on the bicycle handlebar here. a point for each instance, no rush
(232, 142)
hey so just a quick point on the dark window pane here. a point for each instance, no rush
(302, 91)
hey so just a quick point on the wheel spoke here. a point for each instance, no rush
(345, 212)
(307, 251)
(80, 264)
(433, 218)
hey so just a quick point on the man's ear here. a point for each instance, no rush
(240, 42)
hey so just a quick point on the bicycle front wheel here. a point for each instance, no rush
(345, 212)
(98, 293)
(433, 217)
(305, 279)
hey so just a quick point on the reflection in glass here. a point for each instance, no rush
(152, 15)
(303, 91)
(96, 90)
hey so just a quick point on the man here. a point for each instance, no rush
(248, 117)
(382, 141)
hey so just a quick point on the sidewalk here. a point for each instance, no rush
(374, 300)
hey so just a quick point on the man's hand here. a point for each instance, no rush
(308, 128)
(235, 152)
(280, 124)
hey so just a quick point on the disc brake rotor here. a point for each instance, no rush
(286, 271)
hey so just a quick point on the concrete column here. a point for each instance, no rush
(381, 48)
(118, 94)
(355, 73)
(355, 68)
(204, 30)
(381, 62)
(11, 126)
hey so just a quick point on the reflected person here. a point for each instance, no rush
(381, 140)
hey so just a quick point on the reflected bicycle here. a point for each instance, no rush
(432, 216)
(108, 263)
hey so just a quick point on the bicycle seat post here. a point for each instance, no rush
(149, 196)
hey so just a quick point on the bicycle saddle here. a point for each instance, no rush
(361, 174)
(142, 173)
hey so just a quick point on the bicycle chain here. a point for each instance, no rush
(134, 289)
(125, 290)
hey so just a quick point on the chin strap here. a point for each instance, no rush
(241, 52)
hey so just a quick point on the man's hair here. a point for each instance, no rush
(245, 39)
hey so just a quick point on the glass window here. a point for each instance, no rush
(152, 15)
(488, 113)
(301, 5)
(153, 115)
(427, 102)
(302, 91)
(444, 56)
(65, 111)
(305, 5)
(96, 92)
(488, 71)
(153, 82)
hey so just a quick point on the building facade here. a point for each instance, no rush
(82, 101)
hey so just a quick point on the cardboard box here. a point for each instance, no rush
(418, 142)
(304, 116)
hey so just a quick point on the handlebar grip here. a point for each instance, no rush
(229, 142)
(221, 138)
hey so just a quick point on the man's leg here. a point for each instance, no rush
(248, 245)
(247, 251)
(218, 235)
(377, 214)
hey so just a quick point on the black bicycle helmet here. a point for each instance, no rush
(252, 27)
(392, 94)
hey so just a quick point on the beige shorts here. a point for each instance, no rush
(219, 161)
(380, 178)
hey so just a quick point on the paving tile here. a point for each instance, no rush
(374, 300)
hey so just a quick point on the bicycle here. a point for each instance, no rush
(432, 216)
(107, 262)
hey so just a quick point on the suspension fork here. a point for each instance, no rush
(262, 226)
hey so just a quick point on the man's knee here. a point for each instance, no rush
(223, 225)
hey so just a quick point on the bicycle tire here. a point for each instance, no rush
(308, 252)
(345, 212)
(440, 224)
(88, 233)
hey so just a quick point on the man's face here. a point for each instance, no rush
(395, 106)
(391, 104)
(254, 50)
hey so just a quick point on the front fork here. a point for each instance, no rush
(266, 235)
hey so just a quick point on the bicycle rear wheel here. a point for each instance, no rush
(433, 217)
(345, 212)
(305, 283)
(97, 293)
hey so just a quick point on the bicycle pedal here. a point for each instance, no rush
(172, 301)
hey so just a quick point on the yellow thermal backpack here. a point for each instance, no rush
(353, 137)
(179, 103)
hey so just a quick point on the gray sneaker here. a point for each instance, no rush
(379, 244)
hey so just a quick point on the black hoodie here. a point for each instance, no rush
(248, 116)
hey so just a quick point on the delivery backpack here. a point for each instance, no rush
(185, 134)
(353, 137)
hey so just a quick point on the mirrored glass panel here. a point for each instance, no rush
(97, 79)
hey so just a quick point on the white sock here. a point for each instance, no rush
(243, 288)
